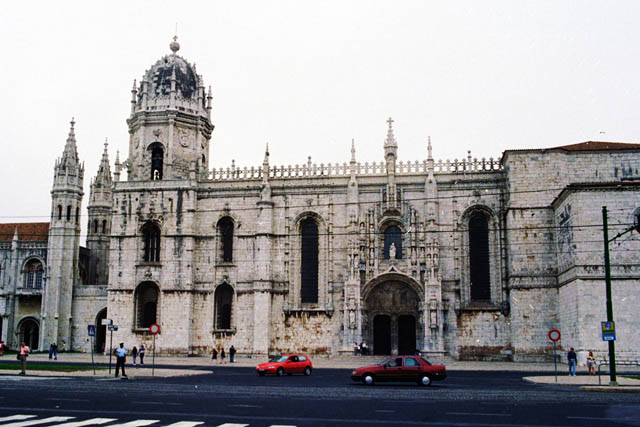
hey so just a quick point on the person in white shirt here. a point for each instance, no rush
(121, 357)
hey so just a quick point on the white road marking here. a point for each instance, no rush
(91, 422)
(144, 402)
(244, 406)
(36, 422)
(233, 425)
(136, 423)
(478, 414)
(17, 417)
(186, 424)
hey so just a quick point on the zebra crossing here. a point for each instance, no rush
(24, 420)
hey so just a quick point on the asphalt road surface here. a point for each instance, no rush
(234, 397)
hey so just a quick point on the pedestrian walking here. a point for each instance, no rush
(55, 351)
(51, 351)
(121, 358)
(1, 347)
(141, 353)
(572, 359)
(22, 356)
(364, 349)
(64, 346)
(591, 363)
(134, 354)
(214, 354)
(222, 355)
(232, 353)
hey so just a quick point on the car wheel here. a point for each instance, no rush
(425, 380)
(280, 372)
(368, 379)
(307, 371)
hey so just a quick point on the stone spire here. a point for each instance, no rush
(352, 189)
(265, 192)
(70, 155)
(390, 156)
(103, 177)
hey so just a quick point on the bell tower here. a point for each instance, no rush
(170, 122)
(63, 245)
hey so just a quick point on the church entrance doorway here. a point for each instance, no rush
(30, 333)
(392, 311)
(406, 334)
(382, 335)
(101, 332)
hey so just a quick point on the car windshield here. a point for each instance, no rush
(425, 360)
(279, 359)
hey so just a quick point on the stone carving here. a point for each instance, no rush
(392, 251)
(183, 137)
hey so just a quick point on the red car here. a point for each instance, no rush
(401, 368)
(286, 364)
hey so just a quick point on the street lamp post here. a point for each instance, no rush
(607, 279)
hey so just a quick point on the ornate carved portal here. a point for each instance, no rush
(393, 312)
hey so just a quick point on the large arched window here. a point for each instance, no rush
(151, 238)
(68, 212)
(392, 236)
(157, 159)
(33, 271)
(146, 301)
(225, 228)
(479, 258)
(309, 267)
(223, 306)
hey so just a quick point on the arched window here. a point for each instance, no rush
(223, 307)
(146, 300)
(104, 226)
(479, 258)
(95, 226)
(225, 228)
(151, 238)
(309, 267)
(59, 212)
(68, 212)
(392, 236)
(33, 271)
(157, 159)
(77, 215)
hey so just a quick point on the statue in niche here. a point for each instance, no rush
(392, 251)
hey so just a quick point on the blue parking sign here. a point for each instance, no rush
(608, 331)
(92, 330)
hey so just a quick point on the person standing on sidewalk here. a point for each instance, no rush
(222, 356)
(232, 353)
(214, 354)
(24, 353)
(134, 354)
(121, 358)
(141, 352)
(591, 363)
(572, 359)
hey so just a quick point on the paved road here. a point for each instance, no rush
(237, 396)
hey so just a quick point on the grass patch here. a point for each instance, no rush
(633, 377)
(48, 367)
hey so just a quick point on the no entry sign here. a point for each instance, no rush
(154, 328)
(554, 335)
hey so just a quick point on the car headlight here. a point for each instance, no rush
(270, 367)
(355, 373)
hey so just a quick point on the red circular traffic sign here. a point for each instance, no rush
(154, 328)
(554, 335)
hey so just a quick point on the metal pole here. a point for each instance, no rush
(110, 350)
(92, 364)
(555, 361)
(607, 278)
(153, 356)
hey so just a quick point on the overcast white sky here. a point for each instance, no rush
(307, 77)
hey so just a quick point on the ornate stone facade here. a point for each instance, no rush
(475, 258)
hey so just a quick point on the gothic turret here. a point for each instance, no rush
(63, 245)
(390, 157)
(99, 226)
(170, 122)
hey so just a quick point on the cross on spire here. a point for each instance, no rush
(390, 121)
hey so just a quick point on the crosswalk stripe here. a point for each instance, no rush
(16, 417)
(36, 422)
(233, 425)
(136, 423)
(186, 424)
(91, 422)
